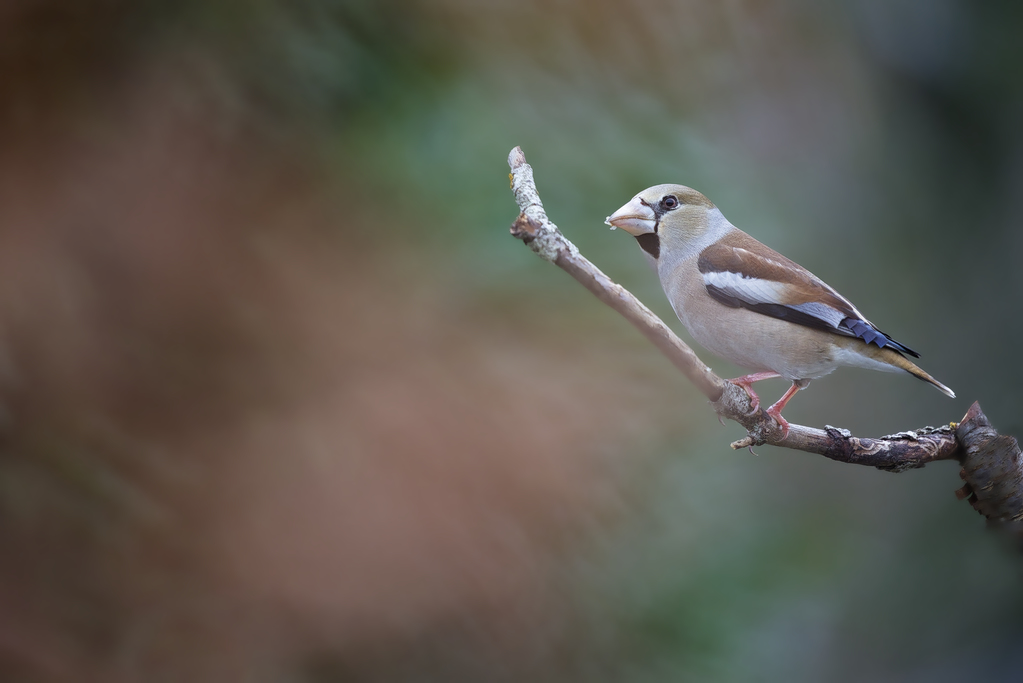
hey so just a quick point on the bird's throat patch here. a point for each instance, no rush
(650, 243)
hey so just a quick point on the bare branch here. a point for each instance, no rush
(992, 464)
(897, 452)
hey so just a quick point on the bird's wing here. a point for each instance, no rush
(740, 272)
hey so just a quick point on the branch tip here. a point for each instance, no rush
(516, 158)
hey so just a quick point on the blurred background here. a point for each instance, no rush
(281, 400)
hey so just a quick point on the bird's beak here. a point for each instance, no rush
(635, 218)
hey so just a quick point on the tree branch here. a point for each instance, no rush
(897, 452)
(992, 464)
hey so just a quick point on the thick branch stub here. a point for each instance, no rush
(993, 470)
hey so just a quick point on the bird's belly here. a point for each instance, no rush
(751, 340)
(760, 343)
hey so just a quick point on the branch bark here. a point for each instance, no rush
(993, 471)
(992, 463)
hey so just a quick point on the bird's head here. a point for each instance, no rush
(674, 210)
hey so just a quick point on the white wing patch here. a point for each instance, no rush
(749, 289)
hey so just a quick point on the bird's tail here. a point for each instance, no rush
(900, 361)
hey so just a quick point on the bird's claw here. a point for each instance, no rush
(754, 400)
(782, 423)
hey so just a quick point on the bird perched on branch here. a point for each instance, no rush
(747, 303)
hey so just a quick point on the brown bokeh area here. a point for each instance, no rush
(240, 427)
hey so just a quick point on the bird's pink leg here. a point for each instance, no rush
(775, 410)
(746, 382)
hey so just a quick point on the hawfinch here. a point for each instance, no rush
(747, 303)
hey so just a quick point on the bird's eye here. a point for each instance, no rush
(670, 202)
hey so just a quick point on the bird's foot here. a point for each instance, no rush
(746, 382)
(775, 412)
(754, 400)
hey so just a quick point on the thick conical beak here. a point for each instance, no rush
(635, 218)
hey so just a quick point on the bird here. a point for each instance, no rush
(746, 303)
